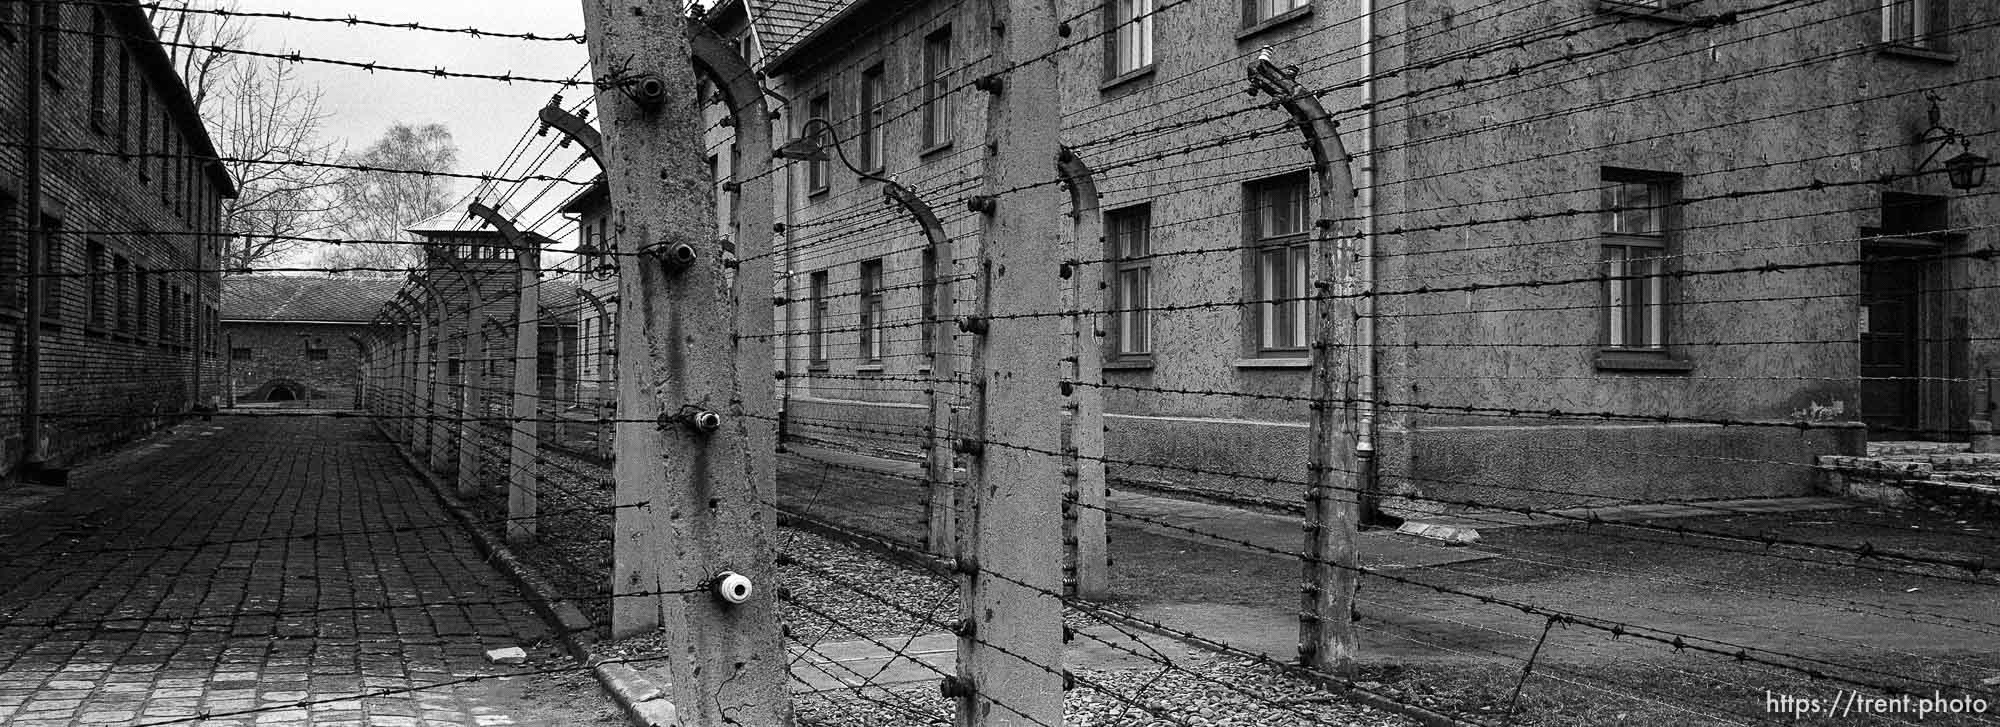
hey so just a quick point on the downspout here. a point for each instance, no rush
(33, 455)
(1364, 206)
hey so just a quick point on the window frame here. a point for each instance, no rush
(242, 353)
(1125, 259)
(1254, 19)
(99, 71)
(1928, 25)
(52, 30)
(13, 255)
(819, 172)
(872, 345)
(1123, 22)
(96, 286)
(936, 130)
(53, 266)
(1262, 302)
(817, 307)
(121, 269)
(872, 96)
(1635, 315)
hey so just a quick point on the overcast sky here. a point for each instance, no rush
(486, 118)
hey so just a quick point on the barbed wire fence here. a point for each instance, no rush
(929, 376)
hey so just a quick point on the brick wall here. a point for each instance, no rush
(293, 364)
(119, 351)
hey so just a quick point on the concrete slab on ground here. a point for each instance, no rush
(1649, 511)
(1232, 528)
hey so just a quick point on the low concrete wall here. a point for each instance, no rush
(1574, 465)
(1440, 469)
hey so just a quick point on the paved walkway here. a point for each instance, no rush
(264, 570)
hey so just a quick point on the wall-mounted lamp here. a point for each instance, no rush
(1966, 170)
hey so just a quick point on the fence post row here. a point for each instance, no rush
(406, 368)
(1326, 623)
(1010, 538)
(437, 435)
(1084, 533)
(470, 369)
(696, 433)
(523, 475)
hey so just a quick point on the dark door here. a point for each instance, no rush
(1891, 330)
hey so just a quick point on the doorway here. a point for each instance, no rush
(1897, 309)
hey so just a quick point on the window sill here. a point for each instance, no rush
(934, 149)
(1300, 362)
(818, 367)
(1121, 79)
(1622, 361)
(1284, 18)
(1911, 52)
(1645, 11)
(818, 192)
(1128, 363)
(96, 331)
(869, 368)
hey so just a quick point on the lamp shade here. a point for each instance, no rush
(1967, 171)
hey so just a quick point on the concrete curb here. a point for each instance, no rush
(645, 703)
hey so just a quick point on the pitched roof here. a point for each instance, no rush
(784, 26)
(302, 298)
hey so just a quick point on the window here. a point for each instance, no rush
(1916, 23)
(121, 269)
(98, 312)
(316, 350)
(816, 310)
(1259, 11)
(1635, 224)
(937, 105)
(13, 250)
(145, 119)
(873, 103)
(97, 70)
(1280, 259)
(165, 331)
(184, 318)
(142, 301)
(817, 171)
(124, 103)
(1131, 36)
(1129, 243)
(242, 354)
(873, 347)
(52, 33)
(52, 269)
(929, 304)
(7, 20)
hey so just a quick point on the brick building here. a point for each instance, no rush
(1588, 189)
(294, 340)
(130, 198)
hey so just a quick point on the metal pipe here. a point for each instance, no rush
(33, 456)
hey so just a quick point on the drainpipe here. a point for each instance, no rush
(33, 456)
(1364, 205)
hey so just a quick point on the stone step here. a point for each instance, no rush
(1965, 461)
(1877, 468)
(1879, 449)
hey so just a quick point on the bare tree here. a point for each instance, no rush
(376, 208)
(270, 120)
(264, 120)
